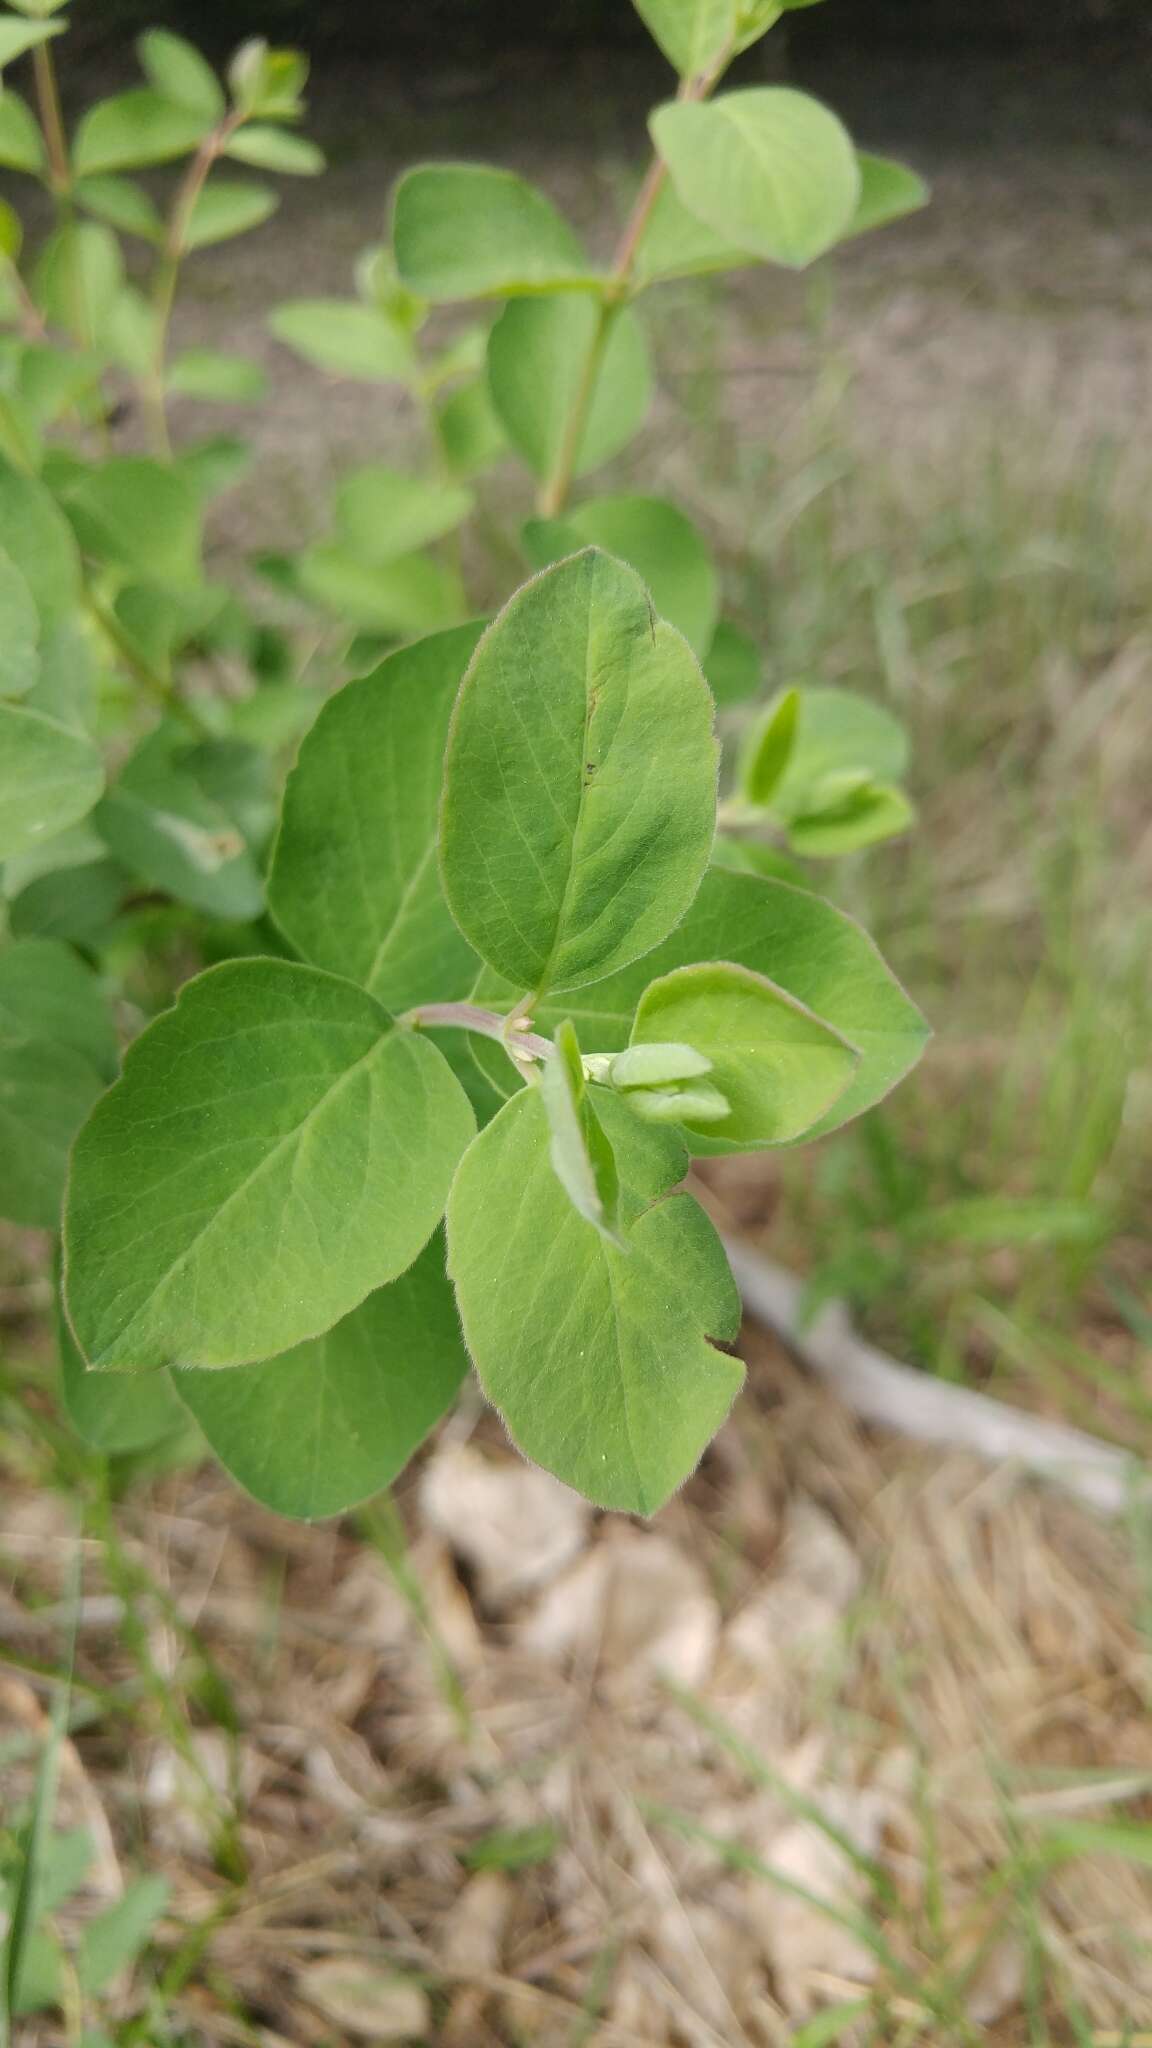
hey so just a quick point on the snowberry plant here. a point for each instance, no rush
(499, 979)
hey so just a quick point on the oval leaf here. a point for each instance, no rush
(276, 149)
(57, 1053)
(21, 143)
(346, 338)
(49, 777)
(275, 1149)
(467, 231)
(778, 1066)
(693, 34)
(164, 823)
(113, 1412)
(656, 540)
(332, 1422)
(767, 168)
(354, 882)
(598, 1358)
(837, 733)
(140, 515)
(18, 36)
(795, 939)
(888, 191)
(537, 355)
(580, 780)
(35, 535)
(19, 631)
(382, 513)
(176, 70)
(225, 208)
(136, 128)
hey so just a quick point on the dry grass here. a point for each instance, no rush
(945, 1663)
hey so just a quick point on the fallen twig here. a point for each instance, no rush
(875, 1387)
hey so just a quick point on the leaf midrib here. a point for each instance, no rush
(287, 1139)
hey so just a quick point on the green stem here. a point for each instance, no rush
(521, 1045)
(158, 686)
(616, 291)
(167, 274)
(52, 121)
(556, 492)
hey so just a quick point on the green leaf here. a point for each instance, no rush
(538, 351)
(837, 734)
(693, 34)
(66, 687)
(18, 36)
(467, 231)
(756, 857)
(655, 1065)
(656, 540)
(767, 168)
(177, 71)
(381, 513)
(888, 191)
(166, 827)
(213, 465)
(222, 379)
(35, 535)
(332, 1422)
(116, 1937)
(47, 993)
(597, 1358)
(864, 816)
(21, 143)
(140, 515)
(675, 244)
(581, 1153)
(691, 1104)
(354, 882)
(49, 777)
(770, 750)
(345, 338)
(793, 938)
(275, 1149)
(133, 129)
(113, 1412)
(57, 1052)
(755, 19)
(123, 204)
(79, 276)
(267, 82)
(471, 434)
(131, 333)
(19, 631)
(76, 903)
(779, 1067)
(227, 207)
(732, 665)
(275, 149)
(410, 595)
(579, 791)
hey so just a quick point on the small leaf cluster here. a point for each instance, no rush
(515, 938)
(504, 839)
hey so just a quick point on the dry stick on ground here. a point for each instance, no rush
(934, 1411)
